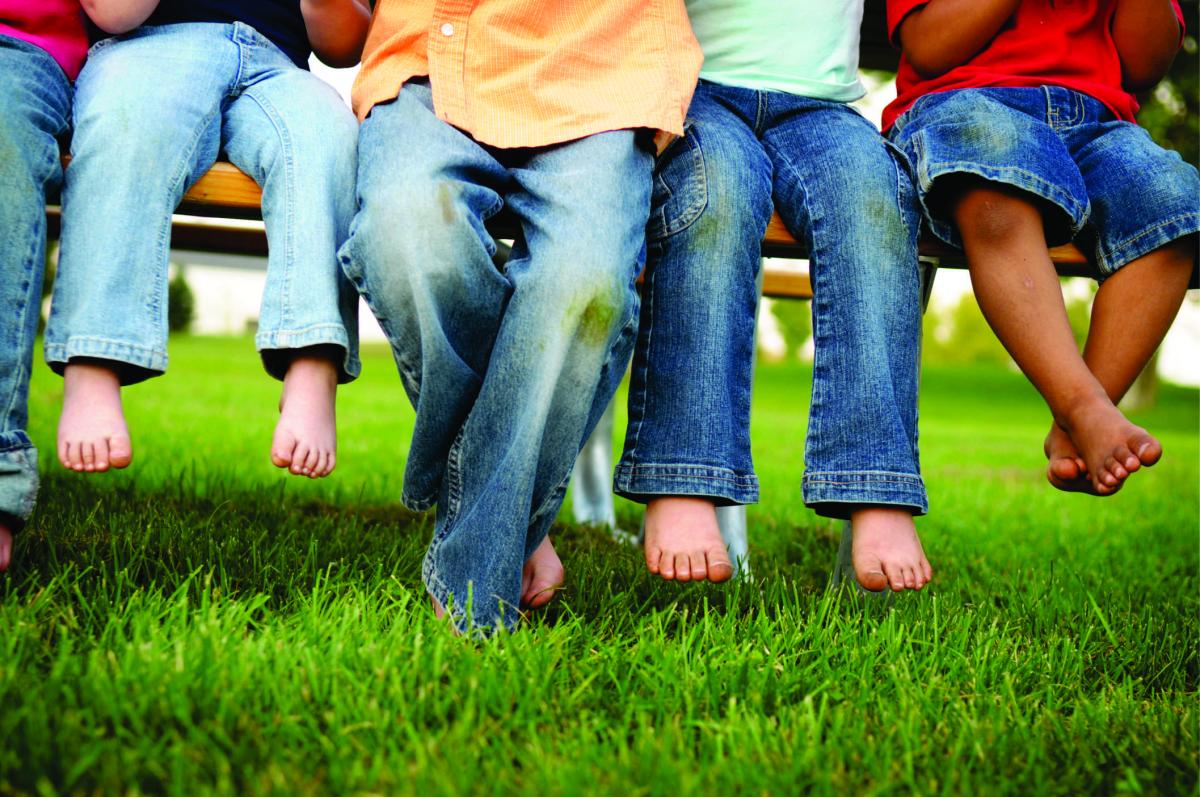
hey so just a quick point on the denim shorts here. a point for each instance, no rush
(1105, 183)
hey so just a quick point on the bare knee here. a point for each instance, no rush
(995, 216)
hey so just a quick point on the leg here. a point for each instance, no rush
(1018, 291)
(147, 124)
(1156, 242)
(1151, 290)
(696, 338)
(35, 100)
(420, 256)
(839, 187)
(295, 136)
(559, 353)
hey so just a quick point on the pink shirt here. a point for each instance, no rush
(57, 26)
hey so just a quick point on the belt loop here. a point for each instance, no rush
(1051, 109)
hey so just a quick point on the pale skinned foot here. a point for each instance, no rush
(439, 612)
(887, 551)
(305, 440)
(92, 435)
(1111, 447)
(6, 543)
(542, 576)
(683, 540)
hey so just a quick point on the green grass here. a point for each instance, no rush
(202, 623)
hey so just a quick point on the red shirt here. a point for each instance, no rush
(57, 26)
(1047, 42)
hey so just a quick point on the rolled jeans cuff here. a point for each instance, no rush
(314, 335)
(151, 359)
(18, 482)
(836, 494)
(725, 486)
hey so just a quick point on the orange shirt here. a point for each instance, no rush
(528, 73)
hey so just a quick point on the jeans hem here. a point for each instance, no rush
(640, 482)
(463, 617)
(316, 335)
(18, 482)
(1112, 258)
(151, 359)
(420, 503)
(836, 493)
(1077, 214)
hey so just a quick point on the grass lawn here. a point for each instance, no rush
(202, 623)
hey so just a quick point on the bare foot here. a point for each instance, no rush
(683, 540)
(439, 612)
(1111, 447)
(5, 546)
(1066, 470)
(542, 577)
(305, 439)
(887, 551)
(92, 435)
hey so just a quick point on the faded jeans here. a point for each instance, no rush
(153, 109)
(35, 107)
(508, 370)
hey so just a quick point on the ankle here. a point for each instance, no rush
(89, 376)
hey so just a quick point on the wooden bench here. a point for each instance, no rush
(224, 192)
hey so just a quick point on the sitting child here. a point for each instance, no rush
(545, 109)
(1018, 116)
(769, 125)
(177, 83)
(42, 47)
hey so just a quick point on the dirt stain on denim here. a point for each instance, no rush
(446, 202)
(996, 138)
(595, 322)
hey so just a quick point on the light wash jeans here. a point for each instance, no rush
(153, 109)
(508, 370)
(35, 108)
(843, 191)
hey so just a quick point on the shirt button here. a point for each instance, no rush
(447, 29)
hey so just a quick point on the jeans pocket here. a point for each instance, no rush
(680, 191)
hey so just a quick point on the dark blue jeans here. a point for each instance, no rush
(35, 107)
(846, 193)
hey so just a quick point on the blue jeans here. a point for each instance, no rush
(153, 109)
(35, 108)
(842, 191)
(1105, 182)
(508, 370)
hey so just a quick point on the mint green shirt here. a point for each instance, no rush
(806, 47)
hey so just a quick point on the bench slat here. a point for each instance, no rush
(225, 186)
(224, 191)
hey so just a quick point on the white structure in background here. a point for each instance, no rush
(228, 288)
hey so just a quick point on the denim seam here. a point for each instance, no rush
(927, 176)
(23, 343)
(1129, 250)
(453, 479)
(289, 187)
(21, 441)
(176, 190)
(691, 213)
(683, 470)
(241, 70)
(133, 354)
(816, 275)
(851, 477)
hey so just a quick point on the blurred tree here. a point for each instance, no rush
(1171, 113)
(181, 303)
